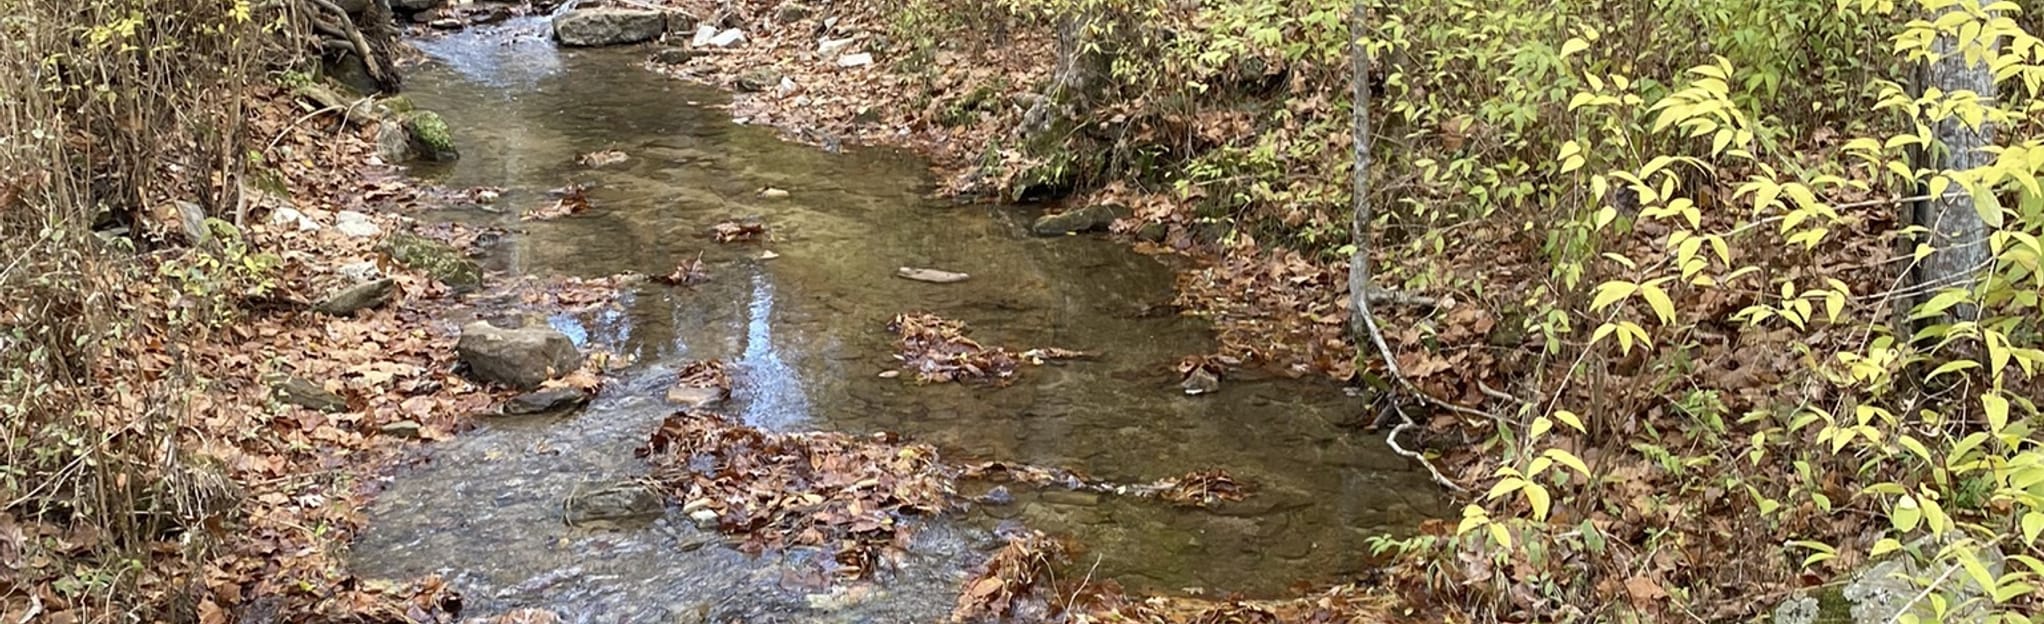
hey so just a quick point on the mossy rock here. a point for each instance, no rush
(431, 136)
(396, 105)
(441, 261)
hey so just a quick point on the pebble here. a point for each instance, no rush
(861, 59)
(356, 224)
(291, 217)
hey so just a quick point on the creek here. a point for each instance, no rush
(805, 334)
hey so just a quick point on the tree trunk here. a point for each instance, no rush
(1957, 234)
(1359, 227)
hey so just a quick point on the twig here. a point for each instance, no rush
(1397, 297)
(1074, 600)
(1392, 440)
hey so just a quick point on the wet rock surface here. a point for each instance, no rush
(608, 26)
(304, 393)
(550, 401)
(358, 297)
(1082, 219)
(613, 505)
(519, 358)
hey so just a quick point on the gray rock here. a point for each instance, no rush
(519, 358)
(829, 47)
(361, 296)
(758, 79)
(360, 271)
(728, 38)
(356, 224)
(402, 429)
(681, 22)
(692, 398)
(1085, 219)
(547, 401)
(415, 6)
(1153, 232)
(349, 71)
(612, 506)
(288, 217)
(608, 26)
(302, 393)
(1880, 593)
(672, 56)
(192, 218)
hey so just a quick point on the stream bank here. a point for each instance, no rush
(801, 318)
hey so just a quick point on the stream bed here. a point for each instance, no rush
(805, 333)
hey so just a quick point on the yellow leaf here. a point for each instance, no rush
(1997, 411)
(1566, 458)
(1658, 299)
(1573, 46)
(1536, 495)
(1612, 292)
(1569, 418)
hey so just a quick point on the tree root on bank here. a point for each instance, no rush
(370, 40)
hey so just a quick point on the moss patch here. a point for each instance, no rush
(441, 261)
(431, 135)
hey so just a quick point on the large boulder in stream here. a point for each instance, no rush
(416, 135)
(1085, 219)
(520, 358)
(606, 26)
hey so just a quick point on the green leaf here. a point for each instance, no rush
(2033, 523)
(1953, 367)
(1499, 533)
(1988, 206)
(1569, 418)
(1885, 546)
(1906, 514)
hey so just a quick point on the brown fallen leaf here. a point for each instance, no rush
(737, 231)
(603, 158)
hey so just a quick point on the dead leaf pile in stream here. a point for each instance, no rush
(705, 374)
(1005, 585)
(568, 200)
(603, 158)
(937, 350)
(853, 497)
(560, 294)
(687, 273)
(1345, 604)
(738, 231)
(1204, 488)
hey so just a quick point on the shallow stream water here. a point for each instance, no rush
(806, 335)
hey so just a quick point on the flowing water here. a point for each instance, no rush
(806, 334)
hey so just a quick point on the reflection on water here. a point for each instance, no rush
(770, 391)
(806, 332)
